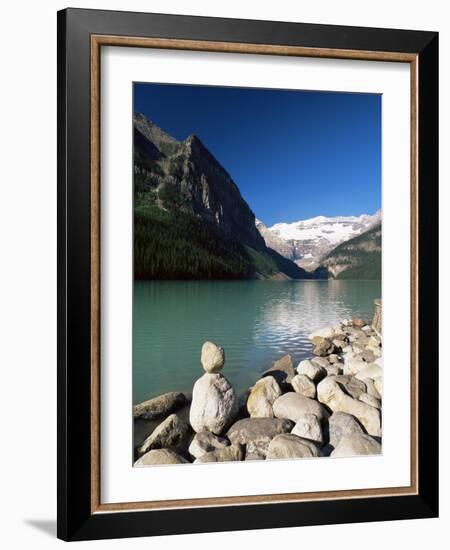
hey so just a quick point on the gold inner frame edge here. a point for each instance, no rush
(97, 41)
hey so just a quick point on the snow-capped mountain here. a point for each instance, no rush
(306, 241)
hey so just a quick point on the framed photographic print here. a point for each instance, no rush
(247, 274)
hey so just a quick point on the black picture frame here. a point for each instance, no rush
(76, 521)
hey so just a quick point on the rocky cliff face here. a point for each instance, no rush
(284, 247)
(181, 188)
(203, 185)
(357, 258)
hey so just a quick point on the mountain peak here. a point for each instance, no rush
(306, 241)
(153, 133)
(192, 137)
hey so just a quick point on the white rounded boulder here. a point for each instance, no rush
(214, 404)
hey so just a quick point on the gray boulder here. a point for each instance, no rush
(331, 394)
(226, 454)
(291, 446)
(357, 444)
(205, 442)
(308, 426)
(293, 405)
(256, 433)
(335, 369)
(370, 400)
(324, 347)
(304, 385)
(341, 424)
(214, 404)
(312, 371)
(321, 361)
(160, 406)
(371, 389)
(351, 385)
(160, 456)
(170, 433)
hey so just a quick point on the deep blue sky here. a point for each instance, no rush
(293, 154)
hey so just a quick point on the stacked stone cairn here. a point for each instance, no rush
(330, 405)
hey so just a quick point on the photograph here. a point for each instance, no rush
(257, 292)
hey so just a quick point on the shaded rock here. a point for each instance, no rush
(371, 389)
(226, 454)
(330, 393)
(304, 385)
(262, 396)
(214, 404)
(312, 371)
(339, 344)
(294, 405)
(291, 446)
(320, 362)
(370, 400)
(282, 370)
(323, 348)
(170, 433)
(351, 385)
(205, 442)
(160, 456)
(212, 357)
(308, 426)
(256, 433)
(341, 424)
(250, 429)
(335, 369)
(357, 444)
(160, 406)
(326, 450)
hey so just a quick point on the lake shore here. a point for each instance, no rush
(328, 405)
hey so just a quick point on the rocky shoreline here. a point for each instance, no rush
(329, 405)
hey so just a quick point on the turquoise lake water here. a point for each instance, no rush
(256, 322)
